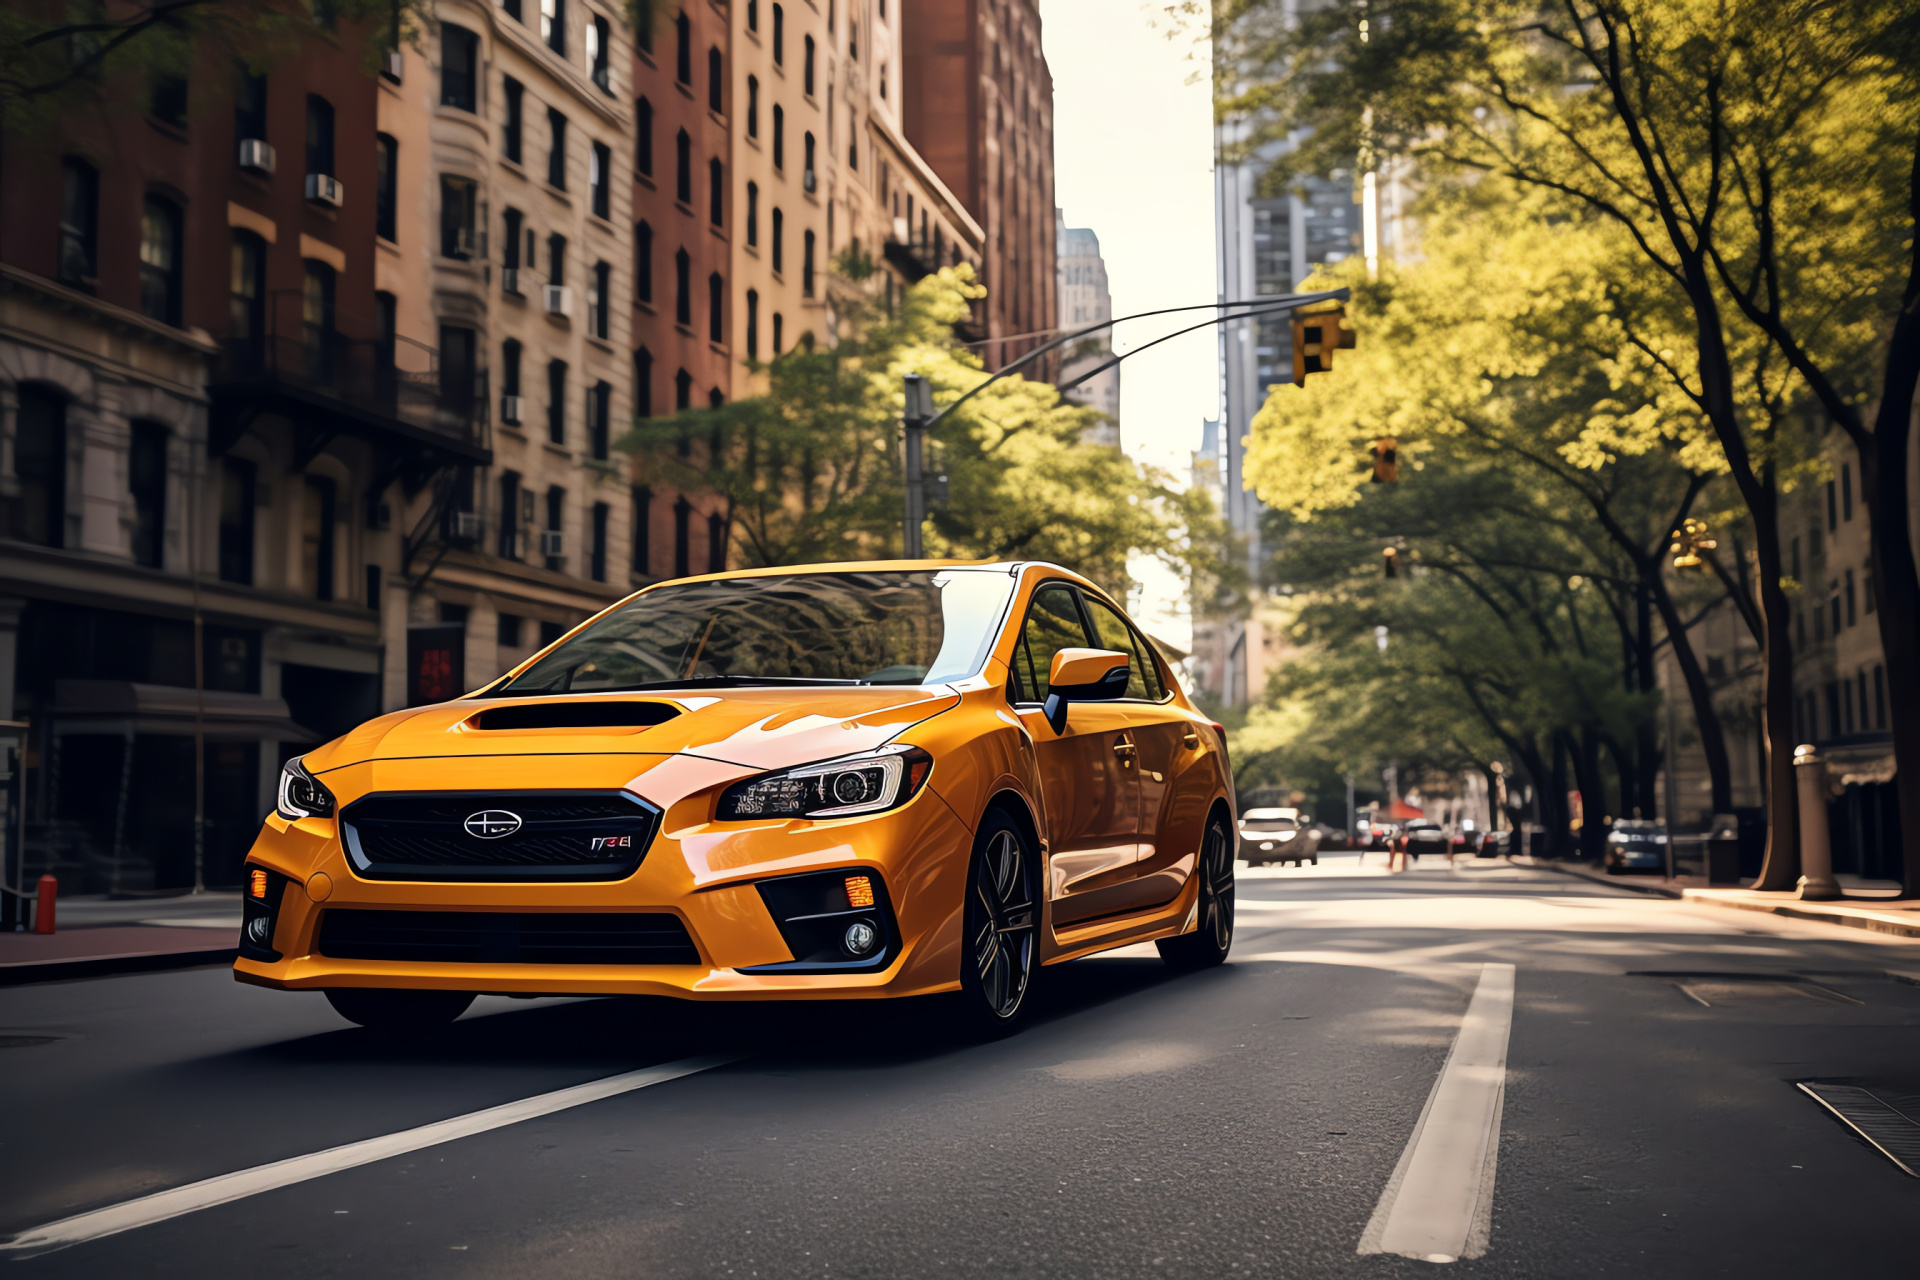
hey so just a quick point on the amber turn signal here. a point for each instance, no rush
(859, 891)
(257, 884)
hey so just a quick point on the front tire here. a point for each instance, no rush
(1212, 937)
(396, 1010)
(1001, 958)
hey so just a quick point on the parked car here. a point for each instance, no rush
(1636, 845)
(1423, 835)
(1276, 835)
(1493, 844)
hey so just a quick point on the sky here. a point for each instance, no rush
(1133, 160)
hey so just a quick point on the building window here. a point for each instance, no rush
(1833, 511)
(716, 87)
(779, 35)
(806, 268)
(779, 323)
(319, 135)
(683, 50)
(753, 214)
(602, 296)
(510, 371)
(386, 161)
(386, 337)
(557, 401)
(147, 488)
(642, 383)
(79, 223)
(319, 523)
(249, 106)
(509, 629)
(883, 82)
(753, 106)
(599, 52)
(753, 15)
(807, 181)
(236, 521)
(160, 260)
(806, 68)
(556, 150)
(642, 539)
(1850, 598)
(853, 139)
(682, 517)
(643, 262)
(597, 549)
(510, 223)
(40, 466)
(556, 259)
(246, 298)
(1846, 491)
(513, 10)
(716, 303)
(683, 168)
(643, 137)
(600, 419)
(716, 191)
(753, 324)
(516, 105)
(779, 237)
(509, 543)
(600, 180)
(459, 202)
(682, 287)
(682, 399)
(553, 25)
(716, 543)
(459, 68)
(459, 367)
(556, 513)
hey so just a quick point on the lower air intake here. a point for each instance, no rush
(504, 937)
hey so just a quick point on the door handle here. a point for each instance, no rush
(1191, 740)
(1126, 751)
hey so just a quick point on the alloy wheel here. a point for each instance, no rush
(1216, 860)
(1003, 936)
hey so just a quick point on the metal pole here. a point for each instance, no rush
(918, 397)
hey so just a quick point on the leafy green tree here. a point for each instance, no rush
(1762, 159)
(811, 470)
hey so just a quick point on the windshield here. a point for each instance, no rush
(896, 627)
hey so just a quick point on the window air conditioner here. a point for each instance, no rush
(465, 526)
(256, 155)
(324, 188)
(510, 280)
(392, 65)
(559, 300)
(510, 410)
(552, 543)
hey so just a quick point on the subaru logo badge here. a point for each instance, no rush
(491, 824)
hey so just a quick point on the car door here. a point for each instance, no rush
(1088, 784)
(1175, 783)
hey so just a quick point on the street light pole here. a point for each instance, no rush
(919, 408)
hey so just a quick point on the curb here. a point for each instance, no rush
(1849, 919)
(1611, 882)
(21, 972)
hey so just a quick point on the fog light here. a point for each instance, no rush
(861, 937)
(259, 931)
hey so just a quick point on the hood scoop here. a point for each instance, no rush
(595, 714)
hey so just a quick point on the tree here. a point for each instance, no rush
(1761, 158)
(811, 470)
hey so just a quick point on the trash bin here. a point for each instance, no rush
(1723, 849)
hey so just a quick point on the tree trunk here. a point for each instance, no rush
(1896, 584)
(1593, 797)
(1558, 842)
(1646, 747)
(1780, 868)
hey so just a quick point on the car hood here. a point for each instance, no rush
(757, 728)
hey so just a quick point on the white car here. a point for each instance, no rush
(1277, 835)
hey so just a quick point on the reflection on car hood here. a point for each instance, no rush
(758, 728)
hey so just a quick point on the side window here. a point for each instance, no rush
(1053, 624)
(1143, 678)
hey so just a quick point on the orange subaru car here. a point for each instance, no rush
(838, 781)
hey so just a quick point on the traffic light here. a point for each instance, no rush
(1319, 331)
(1386, 460)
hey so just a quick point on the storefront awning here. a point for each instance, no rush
(121, 707)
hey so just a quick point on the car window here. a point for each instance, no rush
(1143, 678)
(1053, 623)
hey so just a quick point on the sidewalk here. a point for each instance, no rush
(99, 936)
(1901, 919)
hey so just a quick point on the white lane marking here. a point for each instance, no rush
(1438, 1205)
(229, 1187)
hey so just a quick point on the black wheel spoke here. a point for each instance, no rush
(1005, 920)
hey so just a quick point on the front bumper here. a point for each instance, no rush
(702, 873)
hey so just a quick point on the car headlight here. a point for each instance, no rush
(867, 783)
(301, 794)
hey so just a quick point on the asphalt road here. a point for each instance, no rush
(1243, 1121)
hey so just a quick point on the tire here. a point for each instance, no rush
(394, 1010)
(1212, 937)
(1000, 961)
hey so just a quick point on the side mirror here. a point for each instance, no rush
(1083, 675)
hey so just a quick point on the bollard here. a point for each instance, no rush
(1816, 850)
(43, 908)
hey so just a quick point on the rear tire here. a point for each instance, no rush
(1212, 937)
(395, 1010)
(1000, 961)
